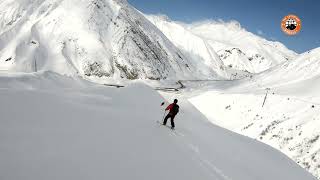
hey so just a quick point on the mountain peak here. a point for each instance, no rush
(103, 38)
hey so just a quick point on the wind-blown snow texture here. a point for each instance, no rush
(54, 127)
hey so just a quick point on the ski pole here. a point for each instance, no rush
(163, 113)
(163, 116)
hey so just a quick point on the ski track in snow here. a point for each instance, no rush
(215, 172)
(212, 169)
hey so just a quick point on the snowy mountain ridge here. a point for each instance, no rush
(111, 39)
(211, 40)
(101, 38)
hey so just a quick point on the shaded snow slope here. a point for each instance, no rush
(219, 43)
(78, 130)
(289, 119)
(100, 38)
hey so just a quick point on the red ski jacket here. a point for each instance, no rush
(169, 107)
(173, 109)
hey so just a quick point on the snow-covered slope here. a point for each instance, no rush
(223, 43)
(304, 67)
(71, 129)
(104, 38)
(55, 127)
(289, 119)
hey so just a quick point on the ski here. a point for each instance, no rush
(165, 125)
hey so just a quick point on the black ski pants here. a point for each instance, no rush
(171, 119)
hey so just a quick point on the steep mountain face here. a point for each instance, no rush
(190, 44)
(101, 38)
(111, 39)
(287, 118)
(223, 43)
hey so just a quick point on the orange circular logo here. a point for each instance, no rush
(291, 24)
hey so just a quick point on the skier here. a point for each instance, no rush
(173, 111)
